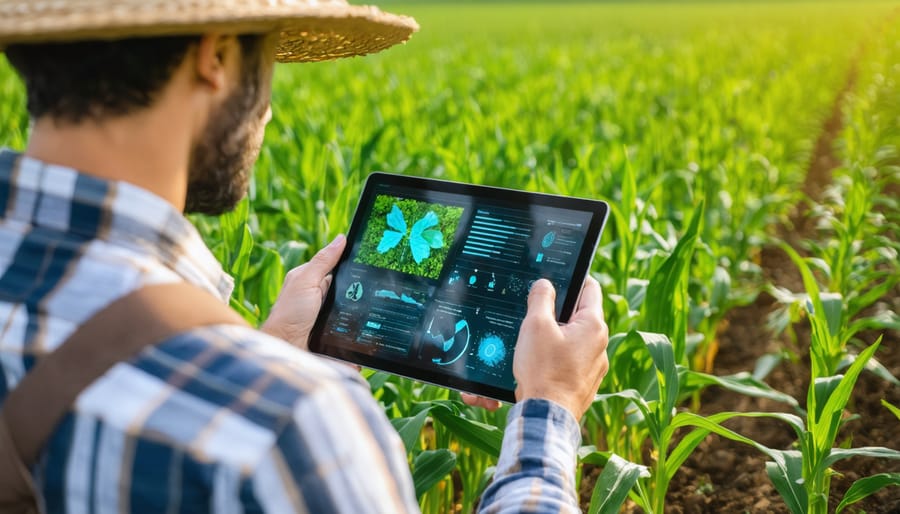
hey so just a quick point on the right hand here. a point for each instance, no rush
(564, 364)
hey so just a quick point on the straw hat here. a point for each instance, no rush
(311, 30)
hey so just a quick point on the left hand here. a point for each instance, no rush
(294, 313)
(480, 401)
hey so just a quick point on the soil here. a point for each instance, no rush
(722, 476)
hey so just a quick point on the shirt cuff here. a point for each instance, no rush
(541, 433)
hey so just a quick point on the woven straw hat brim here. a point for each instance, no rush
(312, 31)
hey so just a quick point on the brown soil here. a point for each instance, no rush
(722, 476)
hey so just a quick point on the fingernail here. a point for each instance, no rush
(337, 240)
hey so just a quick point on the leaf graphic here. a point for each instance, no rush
(395, 219)
(420, 243)
(391, 238)
(434, 237)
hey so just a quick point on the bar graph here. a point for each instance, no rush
(497, 236)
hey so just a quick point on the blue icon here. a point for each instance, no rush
(472, 280)
(548, 239)
(540, 257)
(491, 350)
(354, 292)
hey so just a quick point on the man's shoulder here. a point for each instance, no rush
(221, 393)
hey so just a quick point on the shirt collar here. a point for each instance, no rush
(116, 212)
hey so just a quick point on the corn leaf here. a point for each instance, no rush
(825, 430)
(786, 473)
(867, 486)
(666, 372)
(409, 428)
(486, 438)
(891, 408)
(430, 467)
(742, 383)
(616, 479)
(713, 424)
(837, 454)
(666, 305)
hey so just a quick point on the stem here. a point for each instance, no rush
(661, 482)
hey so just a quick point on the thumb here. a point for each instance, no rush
(327, 258)
(542, 299)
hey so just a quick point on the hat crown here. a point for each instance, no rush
(311, 30)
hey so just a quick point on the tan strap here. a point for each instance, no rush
(146, 316)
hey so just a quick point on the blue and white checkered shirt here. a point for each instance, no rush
(220, 419)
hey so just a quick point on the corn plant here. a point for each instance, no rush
(654, 411)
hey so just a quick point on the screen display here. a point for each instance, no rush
(434, 284)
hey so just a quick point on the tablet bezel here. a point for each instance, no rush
(501, 197)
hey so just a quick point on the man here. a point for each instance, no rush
(144, 110)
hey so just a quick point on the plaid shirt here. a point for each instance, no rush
(220, 419)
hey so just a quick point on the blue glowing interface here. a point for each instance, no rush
(439, 281)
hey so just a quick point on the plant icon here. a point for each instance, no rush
(421, 238)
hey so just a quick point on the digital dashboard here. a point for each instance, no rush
(434, 282)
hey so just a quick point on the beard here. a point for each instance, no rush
(222, 161)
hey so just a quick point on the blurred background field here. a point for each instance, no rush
(720, 132)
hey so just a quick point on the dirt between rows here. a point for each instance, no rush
(723, 476)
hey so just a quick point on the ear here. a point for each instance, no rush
(216, 60)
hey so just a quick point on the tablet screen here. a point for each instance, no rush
(434, 282)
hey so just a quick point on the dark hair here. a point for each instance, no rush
(99, 79)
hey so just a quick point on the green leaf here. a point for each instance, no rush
(666, 306)
(241, 258)
(867, 486)
(638, 401)
(430, 467)
(825, 430)
(891, 408)
(663, 356)
(833, 305)
(590, 455)
(616, 479)
(823, 387)
(486, 438)
(742, 383)
(786, 473)
(713, 424)
(825, 347)
(880, 452)
(410, 428)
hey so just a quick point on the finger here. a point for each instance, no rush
(591, 295)
(542, 299)
(325, 284)
(480, 401)
(588, 318)
(327, 258)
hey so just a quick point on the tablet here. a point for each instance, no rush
(433, 283)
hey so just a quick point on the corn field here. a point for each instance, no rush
(750, 153)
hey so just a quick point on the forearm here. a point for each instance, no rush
(536, 469)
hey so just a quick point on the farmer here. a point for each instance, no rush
(142, 111)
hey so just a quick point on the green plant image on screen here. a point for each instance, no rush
(408, 236)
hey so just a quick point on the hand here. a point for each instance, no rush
(300, 299)
(564, 364)
(480, 401)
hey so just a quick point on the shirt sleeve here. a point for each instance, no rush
(339, 453)
(536, 469)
